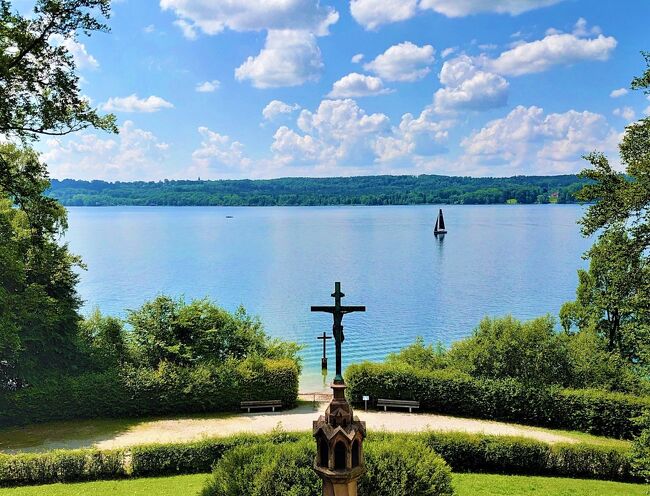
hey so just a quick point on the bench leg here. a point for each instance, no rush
(384, 407)
(410, 411)
(249, 410)
(273, 409)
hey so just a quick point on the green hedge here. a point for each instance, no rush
(516, 455)
(463, 452)
(134, 392)
(62, 466)
(455, 393)
(399, 467)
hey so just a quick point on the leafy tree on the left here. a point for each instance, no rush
(39, 95)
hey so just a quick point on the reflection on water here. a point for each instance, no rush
(277, 262)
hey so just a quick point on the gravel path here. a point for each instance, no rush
(301, 418)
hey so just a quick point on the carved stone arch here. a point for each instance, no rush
(340, 455)
(356, 453)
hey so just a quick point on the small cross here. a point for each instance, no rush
(324, 337)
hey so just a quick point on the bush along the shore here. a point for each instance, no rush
(394, 468)
(453, 392)
(142, 391)
(461, 451)
(176, 357)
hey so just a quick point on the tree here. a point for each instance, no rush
(40, 91)
(611, 295)
(500, 348)
(614, 294)
(38, 299)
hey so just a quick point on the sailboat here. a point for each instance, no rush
(440, 224)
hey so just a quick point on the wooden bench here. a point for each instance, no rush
(248, 405)
(398, 404)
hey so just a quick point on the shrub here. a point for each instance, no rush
(641, 450)
(404, 468)
(61, 466)
(142, 391)
(394, 469)
(455, 393)
(501, 348)
(463, 452)
(514, 455)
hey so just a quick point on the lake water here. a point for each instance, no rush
(279, 261)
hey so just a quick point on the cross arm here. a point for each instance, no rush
(353, 309)
(323, 309)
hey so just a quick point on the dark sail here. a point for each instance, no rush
(435, 229)
(440, 223)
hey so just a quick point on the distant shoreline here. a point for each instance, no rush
(334, 191)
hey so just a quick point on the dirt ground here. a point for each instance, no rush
(301, 418)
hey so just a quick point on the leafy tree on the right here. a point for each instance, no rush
(613, 295)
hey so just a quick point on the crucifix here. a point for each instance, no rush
(323, 361)
(338, 311)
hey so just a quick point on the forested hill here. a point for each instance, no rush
(362, 190)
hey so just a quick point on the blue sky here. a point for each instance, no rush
(242, 88)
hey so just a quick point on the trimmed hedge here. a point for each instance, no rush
(455, 393)
(463, 452)
(134, 392)
(517, 455)
(400, 467)
(62, 466)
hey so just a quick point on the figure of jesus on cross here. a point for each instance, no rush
(338, 311)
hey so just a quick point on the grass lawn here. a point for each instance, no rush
(509, 485)
(464, 484)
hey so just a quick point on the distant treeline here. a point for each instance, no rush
(361, 190)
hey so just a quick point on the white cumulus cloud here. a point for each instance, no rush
(553, 49)
(618, 92)
(213, 16)
(80, 55)
(461, 8)
(403, 62)
(355, 84)
(278, 107)
(373, 13)
(528, 141)
(208, 86)
(626, 113)
(357, 58)
(289, 58)
(132, 103)
(421, 136)
(338, 133)
(218, 156)
(466, 87)
(134, 154)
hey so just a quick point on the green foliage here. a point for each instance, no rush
(61, 466)
(452, 392)
(614, 295)
(38, 300)
(105, 339)
(395, 468)
(641, 450)
(136, 391)
(502, 348)
(420, 355)
(463, 452)
(404, 468)
(168, 330)
(368, 190)
(40, 91)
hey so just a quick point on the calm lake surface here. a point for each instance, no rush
(278, 261)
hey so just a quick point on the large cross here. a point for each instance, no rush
(338, 311)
